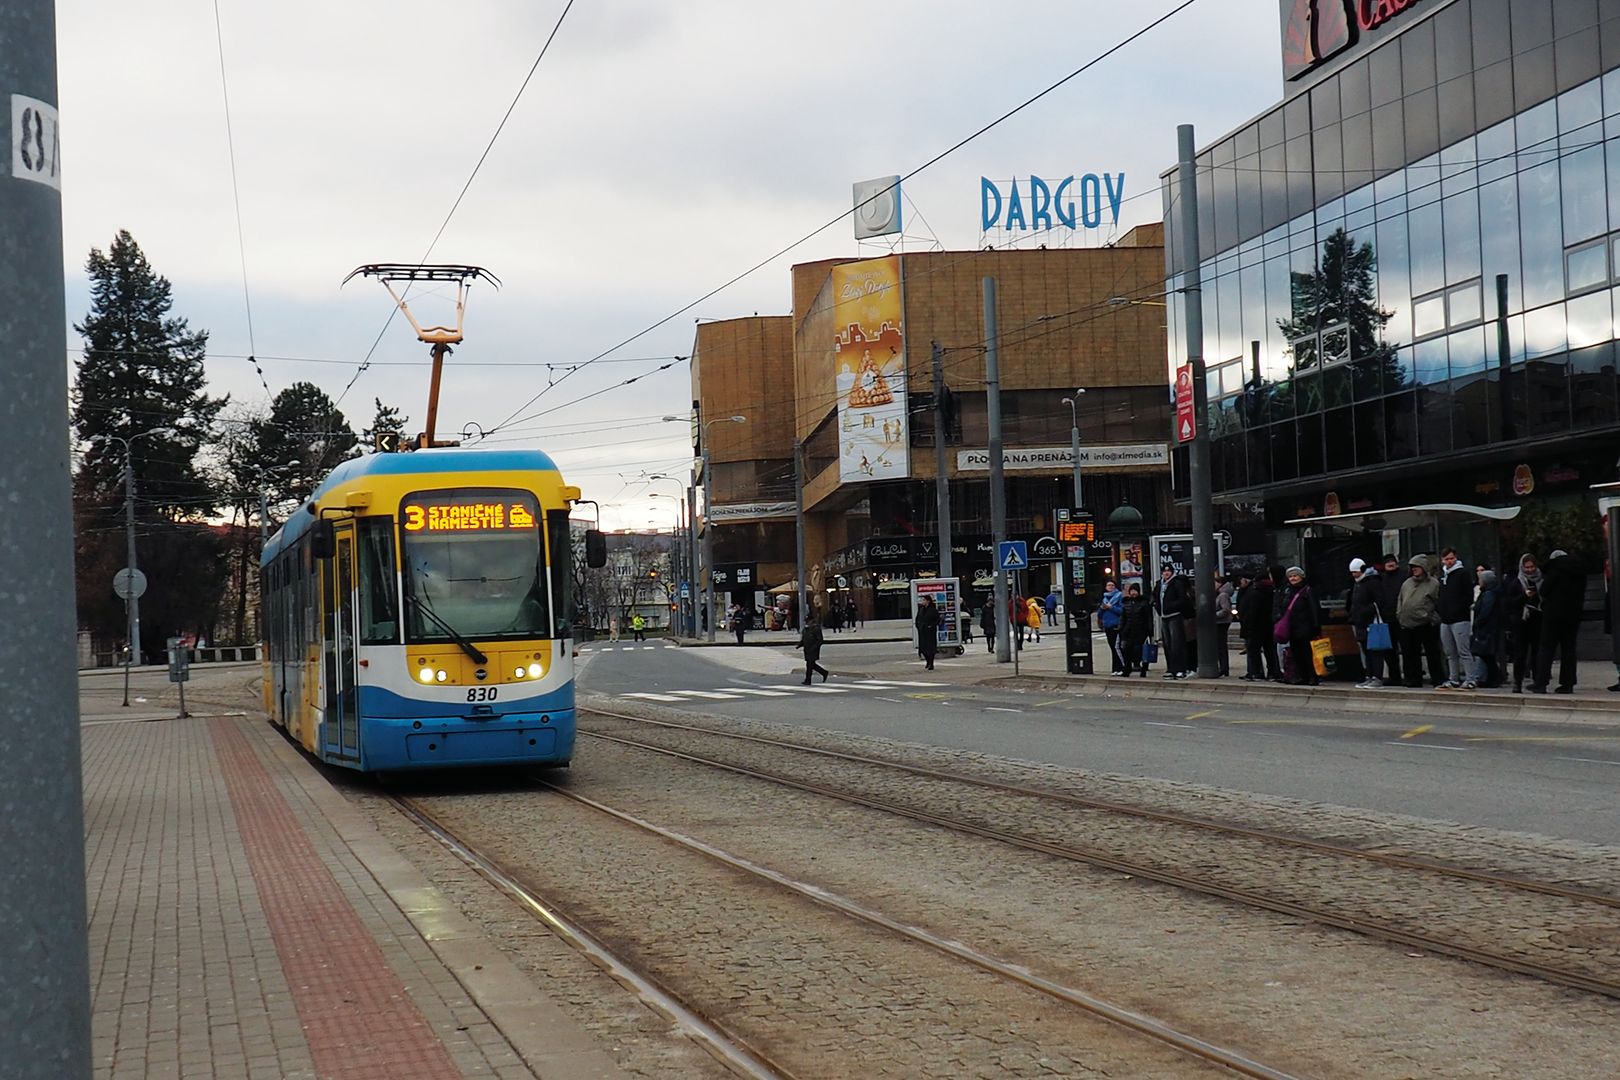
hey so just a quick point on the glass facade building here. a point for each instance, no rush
(1411, 265)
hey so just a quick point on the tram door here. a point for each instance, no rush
(342, 737)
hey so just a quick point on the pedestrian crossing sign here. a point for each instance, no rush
(1012, 555)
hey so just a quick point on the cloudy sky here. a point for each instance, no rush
(660, 149)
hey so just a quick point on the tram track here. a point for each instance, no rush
(732, 1049)
(1592, 975)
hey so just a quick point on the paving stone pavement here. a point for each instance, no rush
(246, 922)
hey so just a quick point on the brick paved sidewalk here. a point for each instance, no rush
(245, 921)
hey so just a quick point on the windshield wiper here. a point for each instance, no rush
(455, 635)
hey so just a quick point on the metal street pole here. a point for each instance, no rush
(129, 537)
(798, 528)
(692, 555)
(942, 482)
(1074, 444)
(44, 955)
(708, 534)
(998, 493)
(1203, 505)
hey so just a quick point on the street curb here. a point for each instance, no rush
(826, 642)
(1453, 705)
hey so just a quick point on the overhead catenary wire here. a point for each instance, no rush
(544, 48)
(1015, 110)
(236, 198)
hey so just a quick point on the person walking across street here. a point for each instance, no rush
(1487, 638)
(927, 623)
(1456, 622)
(1170, 603)
(810, 641)
(1017, 619)
(1110, 613)
(1563, 594)
(987, 623)
(1299, 625)
(1255, 624)
(638, 627)
(1034, 612)
(613, 628)
(741, 621)
(1390, 579)
(1521, 619)
(1368, 608)
(1225, 603)
(1417, 612)
(1135, 627)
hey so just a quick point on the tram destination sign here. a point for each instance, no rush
(465, 516)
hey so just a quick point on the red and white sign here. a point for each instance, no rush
(1186, 420)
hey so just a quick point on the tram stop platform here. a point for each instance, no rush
(245, 920)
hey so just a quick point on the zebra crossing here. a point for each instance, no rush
(627, 647)
(739, 693)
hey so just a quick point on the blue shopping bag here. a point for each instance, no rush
(1378, 639)
(1150, 652)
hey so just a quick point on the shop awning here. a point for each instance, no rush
(1407, 517)
(786, 589)
(893, 586)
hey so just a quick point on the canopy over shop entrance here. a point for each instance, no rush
(1406, 517)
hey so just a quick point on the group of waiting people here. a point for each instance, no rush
(1469, 625)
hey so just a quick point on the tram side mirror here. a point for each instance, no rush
(595, 549)
(324, 540)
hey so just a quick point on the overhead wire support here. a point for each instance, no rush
(236, 198)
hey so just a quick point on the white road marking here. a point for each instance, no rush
(1159, 723)
(712, 695)
(648, 648)
(895, 700)
(818, 690)
(1427, 746)
(654, 697)
(993, 708)
(759, 693)
(1591, 760)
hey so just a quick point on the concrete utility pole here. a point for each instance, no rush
(1203, 503)
(1074, 444)
(998, 491)
(692, 554)
(134, 602)
(798, 527)
(44, 954)
(942, 485)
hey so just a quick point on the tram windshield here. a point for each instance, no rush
(474, 565)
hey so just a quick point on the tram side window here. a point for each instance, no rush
(379, 600)
(560, 556)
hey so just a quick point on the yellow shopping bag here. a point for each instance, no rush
(1322, 656)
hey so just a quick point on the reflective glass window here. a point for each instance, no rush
(1587, 266)
(1335, 344)
(1423, 182)
(1427, 249)
(1532, 23)
(1389, 136)
(1585, 197)
(1493, 93)
(1394, 279)
(1467, 349)
(1369, 425)
(1434, 418)
(1284, 451)
(1474, 405)
(1494, 149)
(1399, 373)
(1422, 123)
(1536, 131)
(1545, 331)
(1453, 44)
(1612, 154)
(1341, 443)
(1589, 320)
(1499, 216)
(1429, 315)
(1533, 76)
(1462, 236)
(1459, 167)
(1580, 106)
(1355, 95)
(1541, 234)
(1429, 362)
(1576, 59)
(1310, 445)
(1464, 304)
(1456, 101)
(1611, 93)
(1400, 426)
(1546, 388)
(1592, 389)
(1307, 394)
(1417, 57)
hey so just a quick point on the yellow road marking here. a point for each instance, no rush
(1054, 701)
(1199, 715)
(1303, 723)
(1418, 731)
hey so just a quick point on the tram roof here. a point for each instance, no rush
(444, 461)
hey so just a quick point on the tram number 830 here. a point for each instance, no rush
(483, 693)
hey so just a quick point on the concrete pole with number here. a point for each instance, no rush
(1203, 506)
(998, 490)
(44, 953)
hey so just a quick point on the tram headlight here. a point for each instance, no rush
(426, 674)
(517, 673)
(535, 671)
(441, 675)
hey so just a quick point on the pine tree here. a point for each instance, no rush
(304, 438)
(387, 421)
(142, 372)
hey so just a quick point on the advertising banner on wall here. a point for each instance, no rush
(869, 359)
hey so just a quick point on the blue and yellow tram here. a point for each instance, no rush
(416, 613)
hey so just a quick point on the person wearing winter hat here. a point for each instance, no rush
(1563, 592)
(1485, 640)
(1366, 608)
(1521, 618)
(1301, 622)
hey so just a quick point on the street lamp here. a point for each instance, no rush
(708, 501)
(132, 602)
(689, 492)
(1074, 442)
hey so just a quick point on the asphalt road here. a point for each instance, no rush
(1555, 779)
